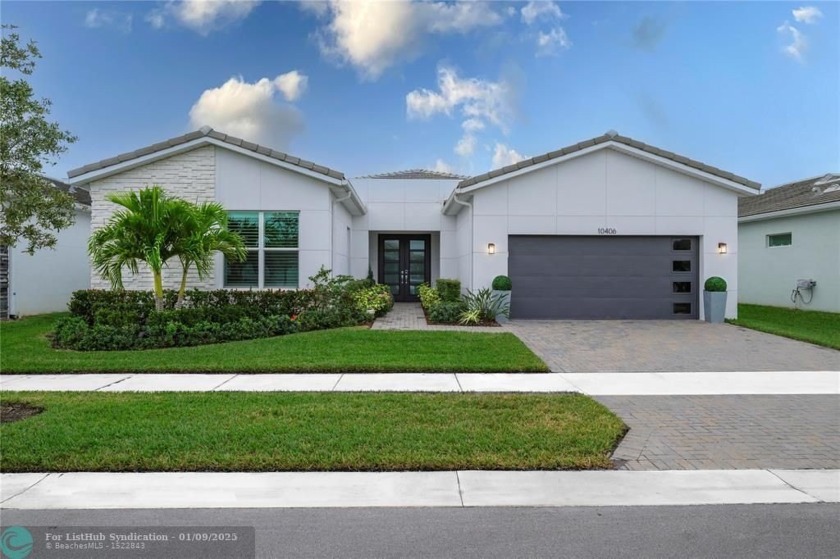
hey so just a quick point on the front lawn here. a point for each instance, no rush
(308, 431)
(821, 328)
(24, 348)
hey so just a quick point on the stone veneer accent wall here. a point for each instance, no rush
(190, 175)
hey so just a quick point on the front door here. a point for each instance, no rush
(404, 263)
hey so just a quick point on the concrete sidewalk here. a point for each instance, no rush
(415, 489)
(596, 384)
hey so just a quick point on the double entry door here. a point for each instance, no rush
(404, 264)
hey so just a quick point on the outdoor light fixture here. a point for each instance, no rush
(721, 248)
(491, 248)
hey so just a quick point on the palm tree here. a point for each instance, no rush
(140, 232)
(202, 232)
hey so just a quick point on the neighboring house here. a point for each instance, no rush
(42, 282)
(607, 228)
(791, 233)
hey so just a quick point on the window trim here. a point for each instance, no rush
(769, 235)
(261, 249)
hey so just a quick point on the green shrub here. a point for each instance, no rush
(117, 320)
(715, 283)
(376, 297)
(446, 312)
(483, 306)
(449, 289)
(501, 283)
(429, 296)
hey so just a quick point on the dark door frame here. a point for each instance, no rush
(404, 294)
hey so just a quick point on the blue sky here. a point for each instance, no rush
(373, 87)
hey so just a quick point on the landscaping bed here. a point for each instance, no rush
(25, 348)
(821, 328)
(307, 432)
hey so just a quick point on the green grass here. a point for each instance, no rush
(308, 431)
(821, 328)
(24, 348)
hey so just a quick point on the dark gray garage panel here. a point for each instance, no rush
(609, 277)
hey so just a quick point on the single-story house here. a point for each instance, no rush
(790, 245)
(606, 228)
(42, 282)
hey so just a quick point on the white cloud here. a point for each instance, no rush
(97, 18)
(466, 145)
(798, 43)
(807, 14)
(478, 100)
(156, 18)
(472, 125)
(203, 16)
(503, 156)
(249, 111)
(479, 103)
(373, 36)
(442, 166)
(551, 43)
(292, 84)
(541, 10)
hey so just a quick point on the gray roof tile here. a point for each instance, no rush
(81, 195)
(817, 191)
(609, 137)
(416, 174)
(204, 132)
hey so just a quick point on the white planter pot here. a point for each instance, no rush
(714, 306)
(500, 318)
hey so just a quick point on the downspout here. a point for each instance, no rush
(472, 236)
(332, 222)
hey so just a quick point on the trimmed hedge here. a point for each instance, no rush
(715, 283)
(449, 289)
(123, 320)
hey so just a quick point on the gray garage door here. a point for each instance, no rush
(559, 277)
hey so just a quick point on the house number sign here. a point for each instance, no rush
(607, 231)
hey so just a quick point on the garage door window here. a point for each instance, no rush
(682, 287)
(682, 244)
(682, 308)
(682, 265)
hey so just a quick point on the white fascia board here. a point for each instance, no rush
(189, 146)
(354, 204)
(628, 150)
(791, 212)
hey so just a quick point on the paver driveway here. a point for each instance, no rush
(748, 431)
(576, 346)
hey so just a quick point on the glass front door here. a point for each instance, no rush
(404, 263)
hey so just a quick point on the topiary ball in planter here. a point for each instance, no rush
(714, 299)
(715, 284)
(501, 283)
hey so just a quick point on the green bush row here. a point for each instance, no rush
(120, 320)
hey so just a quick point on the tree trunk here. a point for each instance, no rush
(183, 289)
(158, 290)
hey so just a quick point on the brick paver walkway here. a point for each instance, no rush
(409, 316)
(669, 346)
(728, 432)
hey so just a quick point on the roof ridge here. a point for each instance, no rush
(206, 131)
(415, 173)
(610, 136)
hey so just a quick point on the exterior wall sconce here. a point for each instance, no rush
(491, 248)
(722, 248)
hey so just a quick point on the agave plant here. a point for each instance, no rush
(483, 306)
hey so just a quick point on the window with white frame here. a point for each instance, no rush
(271, 239)
(780, 240)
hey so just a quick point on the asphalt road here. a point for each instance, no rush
(739, 531)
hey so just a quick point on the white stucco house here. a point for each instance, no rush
(789, 237)
(43, 282)
(606, 228)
